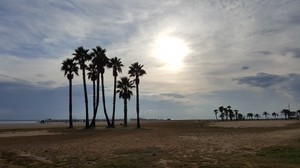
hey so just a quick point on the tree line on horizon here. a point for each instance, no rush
(95, 62)
(227, 112)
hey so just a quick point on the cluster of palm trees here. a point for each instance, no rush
(227, 112)
(94, 63)
(288, 114)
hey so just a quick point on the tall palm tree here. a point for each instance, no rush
(70, 67)
(100, 60)
(124, 86)
(81, 56)
(221, 109)
(116, 64)
(265, 114)
(93, 76)
(136, 70)
(275, 115)
(216, 113)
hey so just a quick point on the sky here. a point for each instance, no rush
(198, 55)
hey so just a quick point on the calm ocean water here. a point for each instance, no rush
(18, 122)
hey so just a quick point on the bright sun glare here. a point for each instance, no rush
(170, 51)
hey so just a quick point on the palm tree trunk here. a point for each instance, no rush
(70, 104)
(137, 103)
(103, 101)
(93, 123)
(114, 103)
(125, 112)
(86, 100)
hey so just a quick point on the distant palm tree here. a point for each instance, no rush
(101, 61)
(286, 113)
(298, 114)
(136, 70)
(216, 113)
(221, 109)
(275, 115)
(250, 116)
(93, 76)
(124, 86)
(81, 56)
(226, 113)
(265, 114)
(116, 64)
(257, 116)
(236, 114)
(70, 67)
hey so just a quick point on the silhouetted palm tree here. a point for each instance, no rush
(236, 114)
(275, 115)
(136, 70)
(265, 114)
(286, 113)
(226, 113)
(124, 86)
(81, 56)
(101, 61)
(216, 113)
(70, 67)
(221, 109)
(250, 116)
(93, 76)
(257, 116)
(116, 64)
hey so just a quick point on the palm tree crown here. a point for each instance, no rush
(70, 67)
(124, 86)
(136, 70)
(81, 56)
(116, 64)
(100, 58)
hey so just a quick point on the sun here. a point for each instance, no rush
(171, 51)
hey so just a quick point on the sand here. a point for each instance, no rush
(168, 143)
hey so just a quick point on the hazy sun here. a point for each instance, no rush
(170, 51)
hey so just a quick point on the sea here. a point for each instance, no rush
(18, 121)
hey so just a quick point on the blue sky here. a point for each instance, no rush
(198, 55)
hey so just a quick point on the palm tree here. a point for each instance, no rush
(100, 60)
(124, 86)
(116, 64)
(221, 109)
(275, 115)
(257, 116)
(250, 116)
(286, 113)
(236, 114)
(298, 114)
(136, 70)
(93, 76)
(70, 67)
(226, 113)
(216, 113)
(265, 114)
(81, 56)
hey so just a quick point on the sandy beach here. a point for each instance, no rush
(157, 144)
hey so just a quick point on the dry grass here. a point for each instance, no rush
(158, 144)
